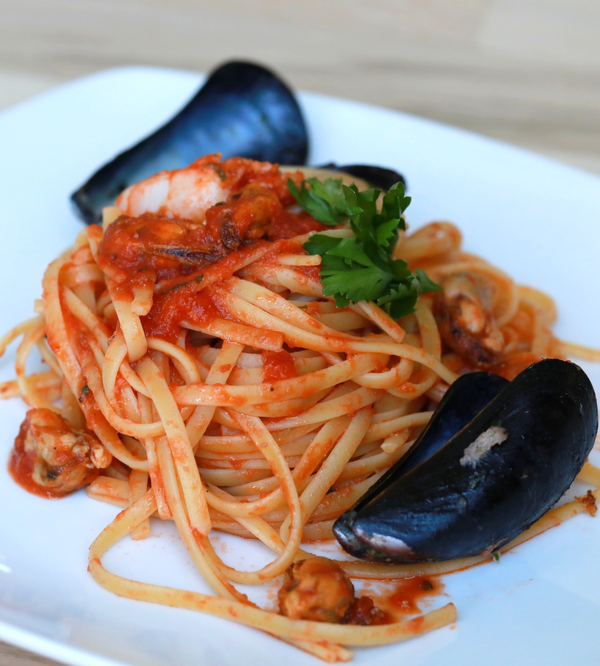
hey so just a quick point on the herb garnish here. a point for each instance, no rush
(220, 172)
(84, 391)
(324, 200)
(496, 556)
(362, 268)
(181, 285)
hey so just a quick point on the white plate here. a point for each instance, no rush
(535, 218)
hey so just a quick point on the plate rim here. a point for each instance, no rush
(36, 643)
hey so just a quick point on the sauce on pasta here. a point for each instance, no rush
(215, 385)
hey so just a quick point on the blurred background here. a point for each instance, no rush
(522, 71)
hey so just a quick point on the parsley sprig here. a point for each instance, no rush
(362, 268)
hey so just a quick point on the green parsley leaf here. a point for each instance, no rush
(395, 203)
(425, 284)
(324, 200)
(496, 556)
(220, 172)
(350, 250)
(385, 232)
(320, 244)
(181, 285)
(362, 268)
(354, 285)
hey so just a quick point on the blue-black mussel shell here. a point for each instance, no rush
(376, 176)
(434, 506)
(243, 110)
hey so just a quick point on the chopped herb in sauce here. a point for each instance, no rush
(84, 391)
(220, 172)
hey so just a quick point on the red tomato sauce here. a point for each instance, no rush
(237, 172)
(278, 365)
(410, 592)
(364, 612)
(405, 598)
(182, 256)
(288, 225)
(170, 309)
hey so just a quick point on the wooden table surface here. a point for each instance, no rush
(523, 71)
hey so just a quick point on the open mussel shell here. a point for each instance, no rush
(364, 176)
(496, 474)
(460, 405)
(356, 174)
(375, 176)
(243, 110)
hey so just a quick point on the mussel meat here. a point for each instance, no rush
(507, 452)
(243, 110)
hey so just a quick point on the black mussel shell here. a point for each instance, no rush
(243, 110)
(375, 176)
(460, 405)
(464, 501)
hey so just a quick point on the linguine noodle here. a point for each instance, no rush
(237, 397)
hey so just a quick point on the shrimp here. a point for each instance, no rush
(188, 193)
(178, 222)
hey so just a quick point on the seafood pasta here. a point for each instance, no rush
(205, 375)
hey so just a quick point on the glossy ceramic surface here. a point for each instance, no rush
(536, 219)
